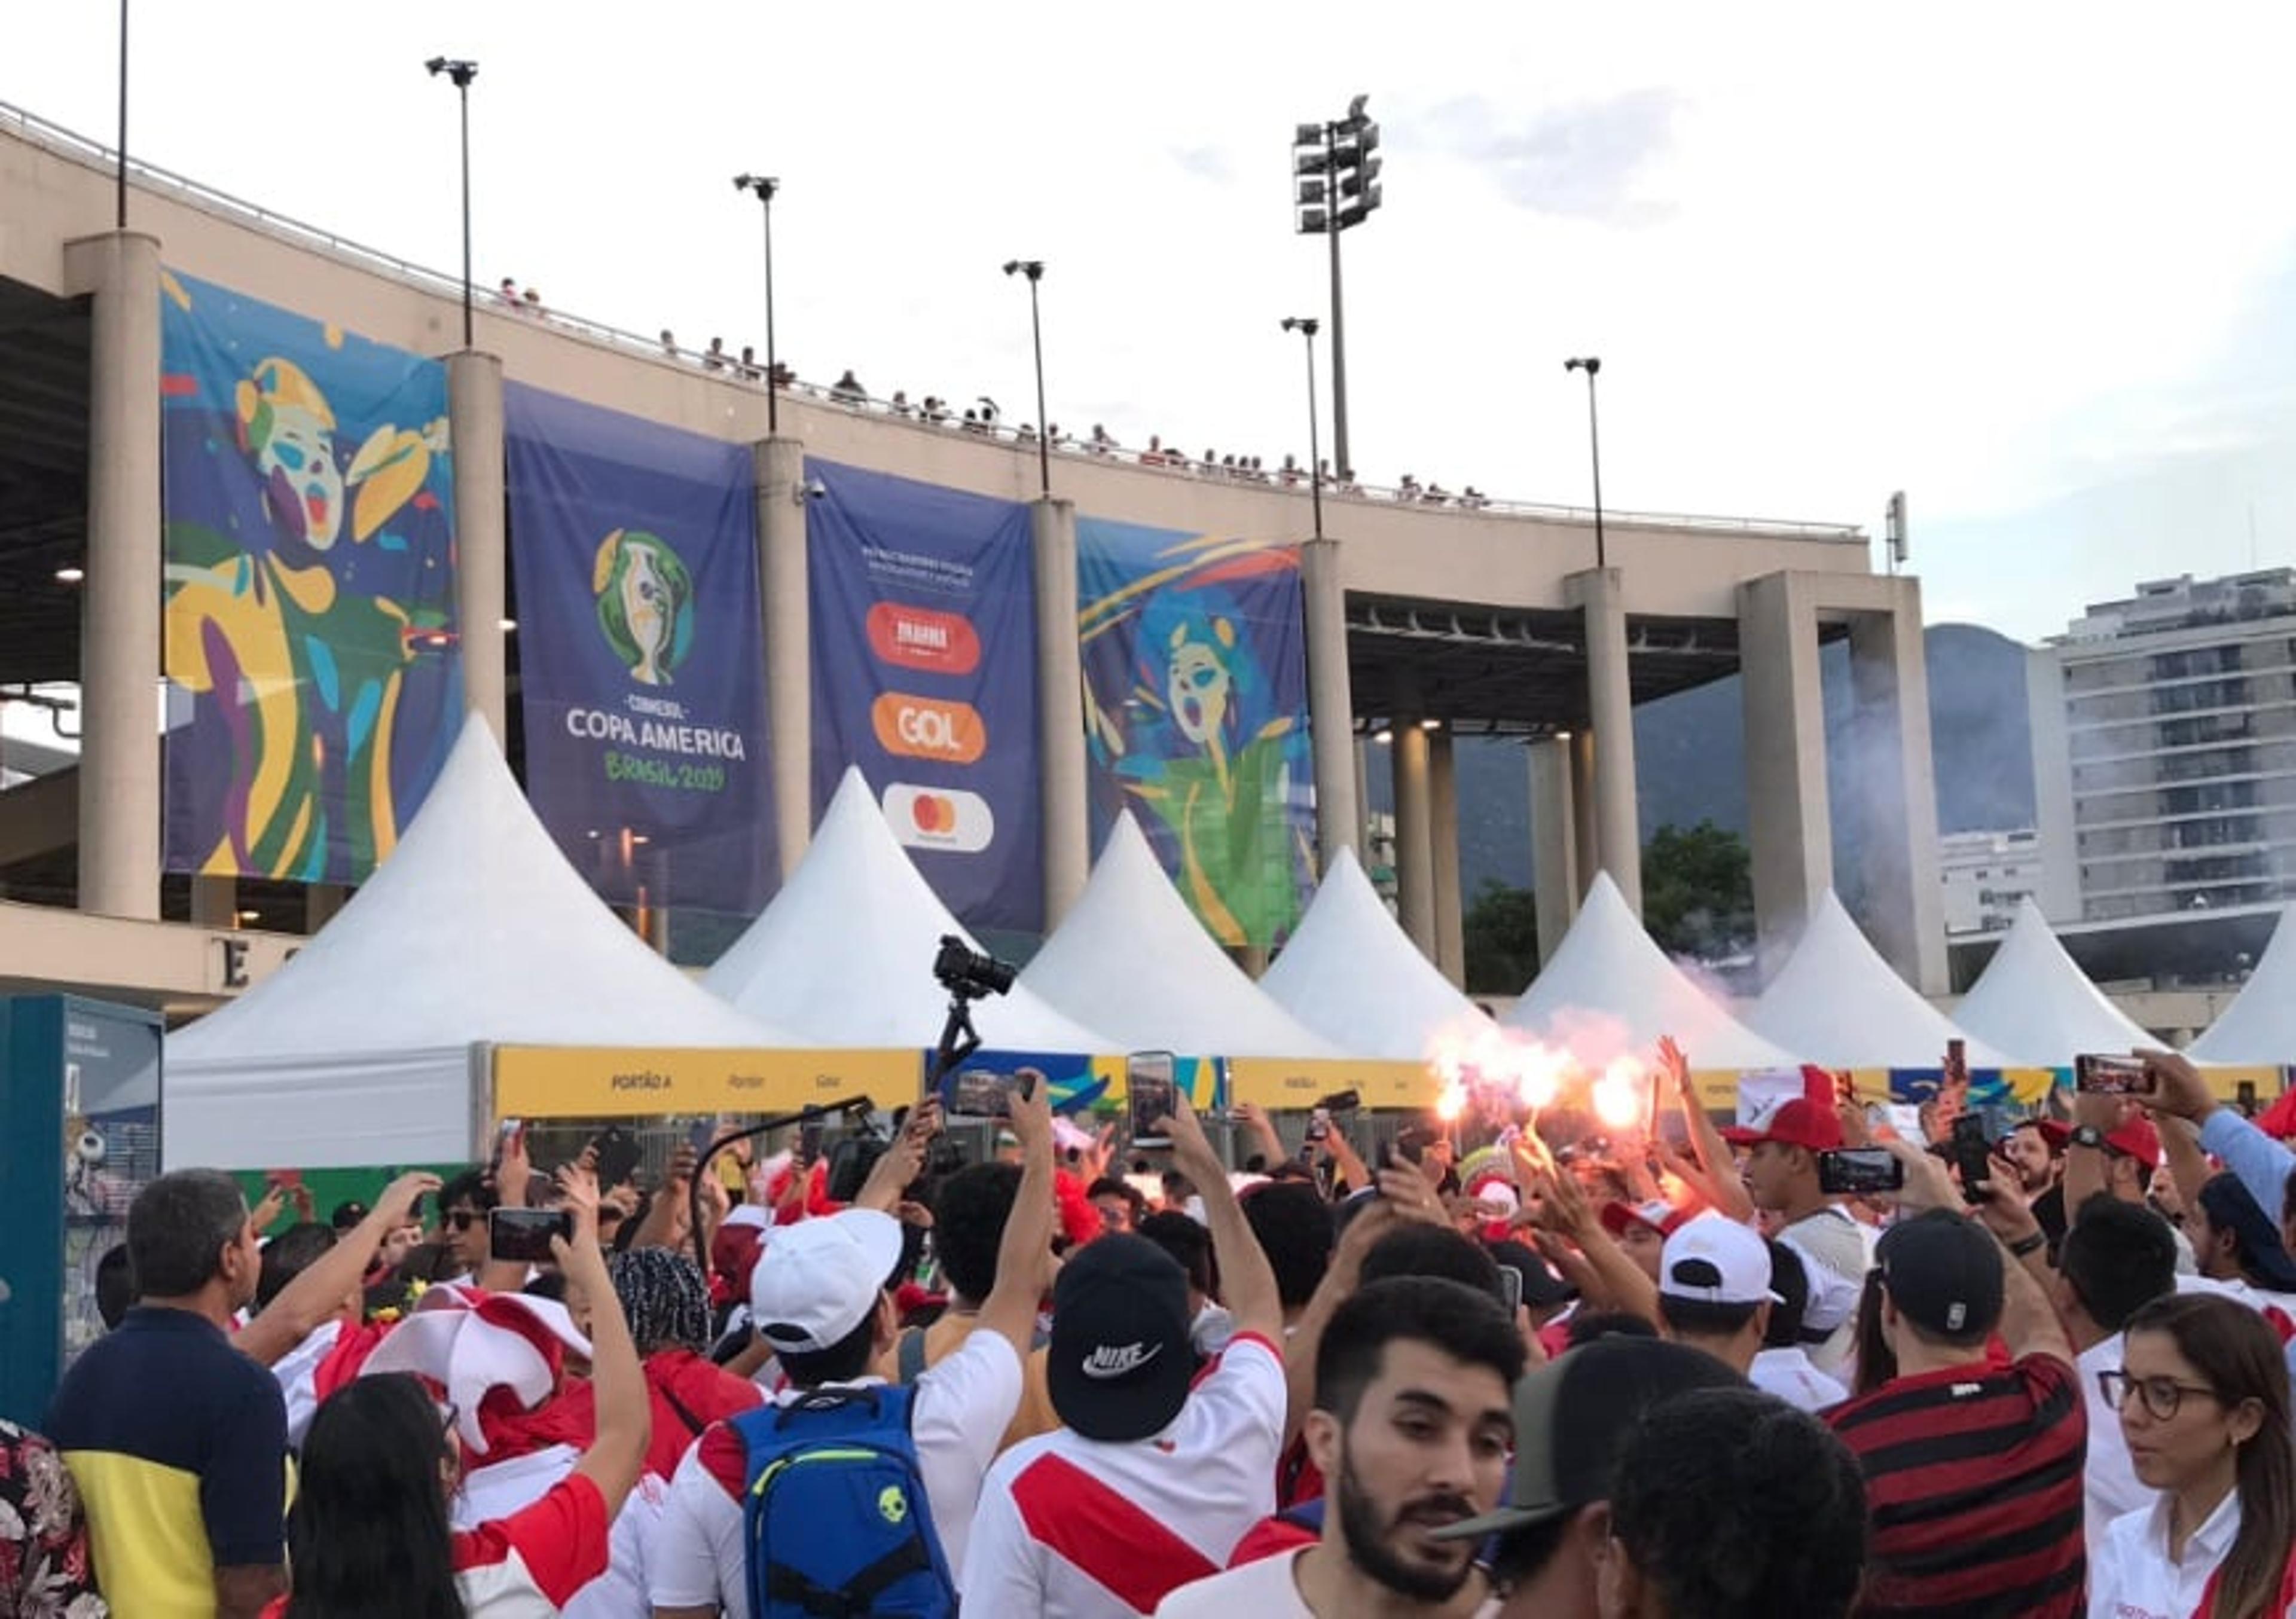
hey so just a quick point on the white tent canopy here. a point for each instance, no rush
(1355, 977)
(1609, 985)
(2034, 1003)
(476, 929)
(844, 954)
(2259, 1026)
(1132, 959)
(1842, 1006)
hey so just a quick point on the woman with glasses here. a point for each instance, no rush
(2202, 1394)
(369, 1537)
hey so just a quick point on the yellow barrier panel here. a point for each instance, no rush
(1274, 1082)
(607, 1082)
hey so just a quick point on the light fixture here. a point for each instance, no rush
(71, 575)
(1382, 735)
(506, 625)
(1431, 724)
(1561, 736)
(244, 917)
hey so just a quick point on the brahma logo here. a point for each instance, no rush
(919, 638)
(927, 728)
(939, 818)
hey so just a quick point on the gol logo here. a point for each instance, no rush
(919, 638)
(926, 728)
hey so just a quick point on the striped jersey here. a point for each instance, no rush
(1973, 1480)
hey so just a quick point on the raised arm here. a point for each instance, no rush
(1024, 1253)
(308, 1301)
(1247, 1282)
(1718, 1183)
(616, 1452)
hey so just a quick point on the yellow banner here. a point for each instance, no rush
(1275, 1083)
(602, 1082)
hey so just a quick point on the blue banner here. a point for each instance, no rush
(924, 652)
(641, 653)
(1195, 665)
(314, 681)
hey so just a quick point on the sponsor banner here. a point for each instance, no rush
(925, 676)
(641, 653)
(1080, 1083)
(314, 679)
(1195, 672)
(586, 1082)
(1274, 1082)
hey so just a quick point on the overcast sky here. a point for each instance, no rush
(2036, 264)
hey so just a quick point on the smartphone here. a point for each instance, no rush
(2102, 1075)
(1973, 1155)
(523, 1234)
(979, 1093)
(1148, 1084)
(1319, 1125)
(1511, 1288)
(509, 1131)
(617, 1156)
(1858, 1171)
(808, 1140)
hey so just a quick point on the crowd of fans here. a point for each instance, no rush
(1671, 1377)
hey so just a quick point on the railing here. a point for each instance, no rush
(54, 137)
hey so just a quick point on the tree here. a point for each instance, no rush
(1502, 929)
(1698, 891)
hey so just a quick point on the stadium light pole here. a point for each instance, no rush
(1305, 324)
(121, 205)
(462, 72)
(1592, 365)
(1335, 187)
(1033, 269)
(766, 186)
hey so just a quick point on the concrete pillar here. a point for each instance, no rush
(1789, 818)
(1362, 752)
(474, 422)
(322, 902)
(1601, 596)
(1553, 865)
(215, 903)
(1896, 789)
(1330, 703)
(789, 641)
(120, 603)
(1443, 822)
(2053, 786)
(1414, 816)
(1586, 845)
(1062, 783)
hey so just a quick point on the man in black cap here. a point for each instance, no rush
(1148, 1484)
(1973, 1468)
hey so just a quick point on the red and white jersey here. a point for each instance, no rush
(1076, 1528)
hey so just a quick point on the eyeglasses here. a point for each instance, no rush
(449, 1414)
(2163, 1396)
(462, 1219)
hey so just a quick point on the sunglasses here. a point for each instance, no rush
(462, 1219)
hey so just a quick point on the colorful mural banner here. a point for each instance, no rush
(314, 679)
(924, 650)
(641, 653)
(1196, 672)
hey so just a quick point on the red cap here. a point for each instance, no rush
(1795, 1121)
(2136, 1137)
(1658, 1214)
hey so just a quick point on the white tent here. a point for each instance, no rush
(475, 929)
(2034, 1003)
(2259, 1026)
(1132, 959)
(1842, 1006)
(844, 954)
(1609, 987)
(1353, 977)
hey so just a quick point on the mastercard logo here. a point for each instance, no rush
(944, 818)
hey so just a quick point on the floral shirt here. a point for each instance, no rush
(44, 1570)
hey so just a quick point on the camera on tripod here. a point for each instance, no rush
(971, 973)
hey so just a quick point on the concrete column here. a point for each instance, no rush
(119, 604)
(1553, 865)
(474, 421)
(1896, 789)
(1601, 596)
(215, 903)
(1414, 816)
(789, 641)
(322, 902)
(2053, 786)
(1586, 845)
(1443, 822)
(1789, 817)
(1362, 752)
(1330, 703)
(1065, 793)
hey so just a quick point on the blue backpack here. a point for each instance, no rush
(834, 1517)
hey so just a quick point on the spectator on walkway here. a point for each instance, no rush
(848, 390)
(748, 369)
(668, 343)
(507, 294)
(714, 357)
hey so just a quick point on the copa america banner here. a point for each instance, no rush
(641, 653)
(924, 650)
(314, 681)
(1195, 665)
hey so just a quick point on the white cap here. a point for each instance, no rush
(819, 1278)
(1714, 1260)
